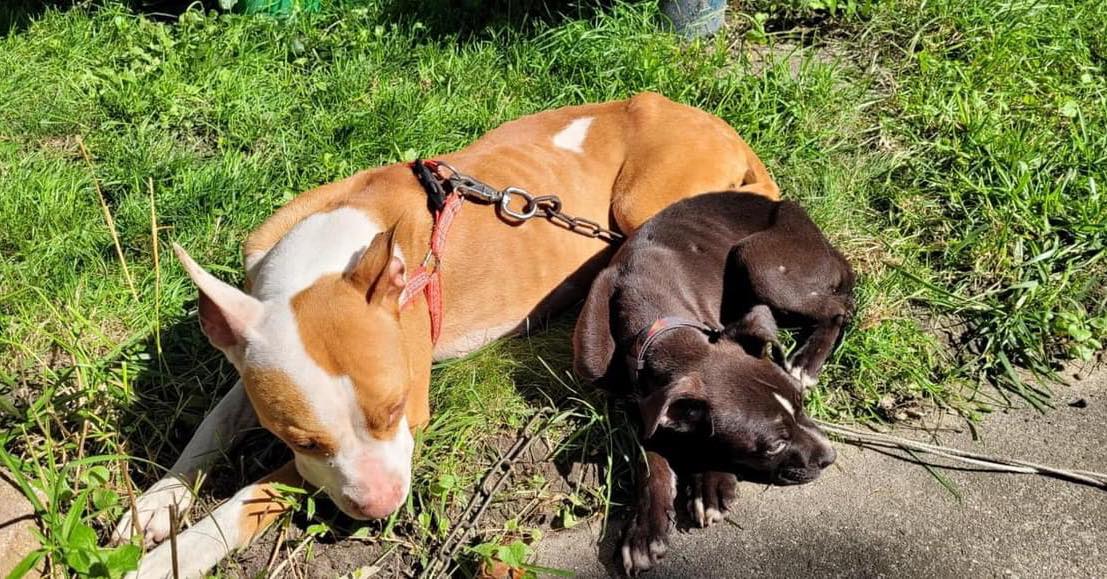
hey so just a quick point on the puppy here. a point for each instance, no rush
(684, 321)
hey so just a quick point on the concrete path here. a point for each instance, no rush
(872, 515)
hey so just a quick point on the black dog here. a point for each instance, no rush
(683, 321)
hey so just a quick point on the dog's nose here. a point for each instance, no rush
(828, 457)
(381, 502)
(373, 510)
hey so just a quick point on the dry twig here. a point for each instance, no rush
(108, 218)
(861, 438)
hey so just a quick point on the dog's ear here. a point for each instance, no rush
(680, 407)
(593, 344)
(226, 312)
(380, 272)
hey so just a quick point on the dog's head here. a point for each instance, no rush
(327, 366)
(742, 413)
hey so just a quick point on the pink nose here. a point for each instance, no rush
(379, 502)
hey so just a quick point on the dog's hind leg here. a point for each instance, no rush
(792, 268)
(233, 525)
(678, 152)
(647, 537)
(150, 513)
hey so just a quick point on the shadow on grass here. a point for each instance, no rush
(173, 394)
(467, 19)
(588, 462)
(17, 15)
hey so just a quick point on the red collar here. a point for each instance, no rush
(427, 277)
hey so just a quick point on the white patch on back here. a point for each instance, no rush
(785, 403)
(571, 138)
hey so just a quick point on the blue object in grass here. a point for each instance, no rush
(694, 18)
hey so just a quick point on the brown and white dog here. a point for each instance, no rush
(333, 366)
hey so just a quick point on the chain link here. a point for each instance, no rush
(548, 205)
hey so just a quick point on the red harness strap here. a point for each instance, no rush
(427, 277)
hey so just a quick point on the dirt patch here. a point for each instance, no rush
(64, 145)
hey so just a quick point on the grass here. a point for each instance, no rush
(955, 150)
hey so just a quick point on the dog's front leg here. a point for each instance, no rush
(151, 509)
(647, 536)
(711, 495)
(231, 526)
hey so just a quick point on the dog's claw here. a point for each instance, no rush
(151, 512)
(711, 495)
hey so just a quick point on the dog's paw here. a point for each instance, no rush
(646, 541)
(151, 512)
(806, 380)
(795, 368)
(199, 548)
(711, 496)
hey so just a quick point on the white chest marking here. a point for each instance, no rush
(785, 403)
(571, 138)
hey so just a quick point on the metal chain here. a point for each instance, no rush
(548, 205)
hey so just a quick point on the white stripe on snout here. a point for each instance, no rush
(785, 403)
(571, 138)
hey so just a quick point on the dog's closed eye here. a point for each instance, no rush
(309, 444)
(306, 445)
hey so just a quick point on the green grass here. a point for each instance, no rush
(955, 150)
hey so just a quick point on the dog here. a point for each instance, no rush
(329, 361)
(683, 321)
